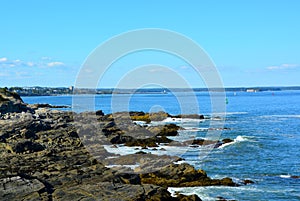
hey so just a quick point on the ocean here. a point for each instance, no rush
(265, 127)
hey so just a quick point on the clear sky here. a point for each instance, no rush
(252, 43)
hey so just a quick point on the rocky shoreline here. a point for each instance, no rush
(59, 155)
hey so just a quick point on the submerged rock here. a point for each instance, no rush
(247, 181)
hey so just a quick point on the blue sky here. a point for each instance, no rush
(252, 43)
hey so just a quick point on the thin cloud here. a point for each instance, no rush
(30, 64)
(283, 67)
(42, 63)
(55, 63)
(46, 58)
(4, 62)
(3, 59)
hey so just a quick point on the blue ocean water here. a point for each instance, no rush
(266, 129)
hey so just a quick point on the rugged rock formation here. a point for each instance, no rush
(46, 105)
(43, 158)
(58, 155)
(201, 142)
(182, 175)
(11, 102)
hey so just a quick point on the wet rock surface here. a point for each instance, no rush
(183, 175)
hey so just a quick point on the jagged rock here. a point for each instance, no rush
(148, 117)
(108, 191)
(222, 199)
(28, 146)
(121, 139)
(169, 130)
(11, 102)
(182, 175)
(46, 105)
(189, 116)
(227, 140)
(181, 197)
(203, 142)
(148, 142)
(99, 113)
(247, 181)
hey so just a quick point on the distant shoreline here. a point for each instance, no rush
(56, 91)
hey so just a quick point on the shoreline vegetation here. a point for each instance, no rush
(48, 154)
(54, 91)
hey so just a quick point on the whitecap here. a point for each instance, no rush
(229, 113)
(181, 120)
(236, 140)
(160, 150)
(121, 150)
(285, 176)
(200, 191)
(281, 116)
(141, 123)
(194, 129)
(234, 113)
(240, 138)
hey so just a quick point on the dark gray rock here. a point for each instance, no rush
(17, 188)
(11, 102)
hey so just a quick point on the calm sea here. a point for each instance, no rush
(265, 127)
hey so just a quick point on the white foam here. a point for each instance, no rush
(180, 162)
(209, 193)
(121, 149)
(285, 176)
(190, 191)
(227, 113)
(160, 150)
(233, 113)
(236, 140)
(194, 129)
(181, 120)
(240, 139)
(141, 123)
(282, 116)
(203, 192)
